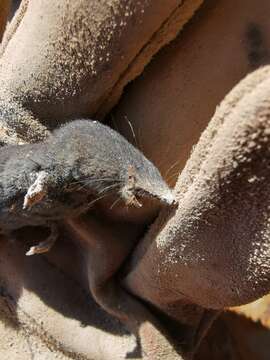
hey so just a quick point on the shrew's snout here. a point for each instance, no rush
(168, 198)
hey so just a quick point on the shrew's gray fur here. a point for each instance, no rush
(61, 177)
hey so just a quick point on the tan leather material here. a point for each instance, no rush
(178, 93)
(214, 249)
(257, 311)
(201, 254)
(71, 56)
(52, 310)
(172, 102)
(166, 33)
(4, 12)
(73, 63)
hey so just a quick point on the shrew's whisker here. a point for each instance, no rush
(115, 202)
(108, 187)
(95, 200)
(171, 167)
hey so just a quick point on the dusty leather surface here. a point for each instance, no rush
(183, 264)
(174, 99)
(50, 305)
(41, 86)
(214, 249)
(186, 101)
(70, 56)
(4, 11)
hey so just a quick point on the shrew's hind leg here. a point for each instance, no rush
(47, 244)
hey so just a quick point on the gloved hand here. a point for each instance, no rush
(49, 84)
